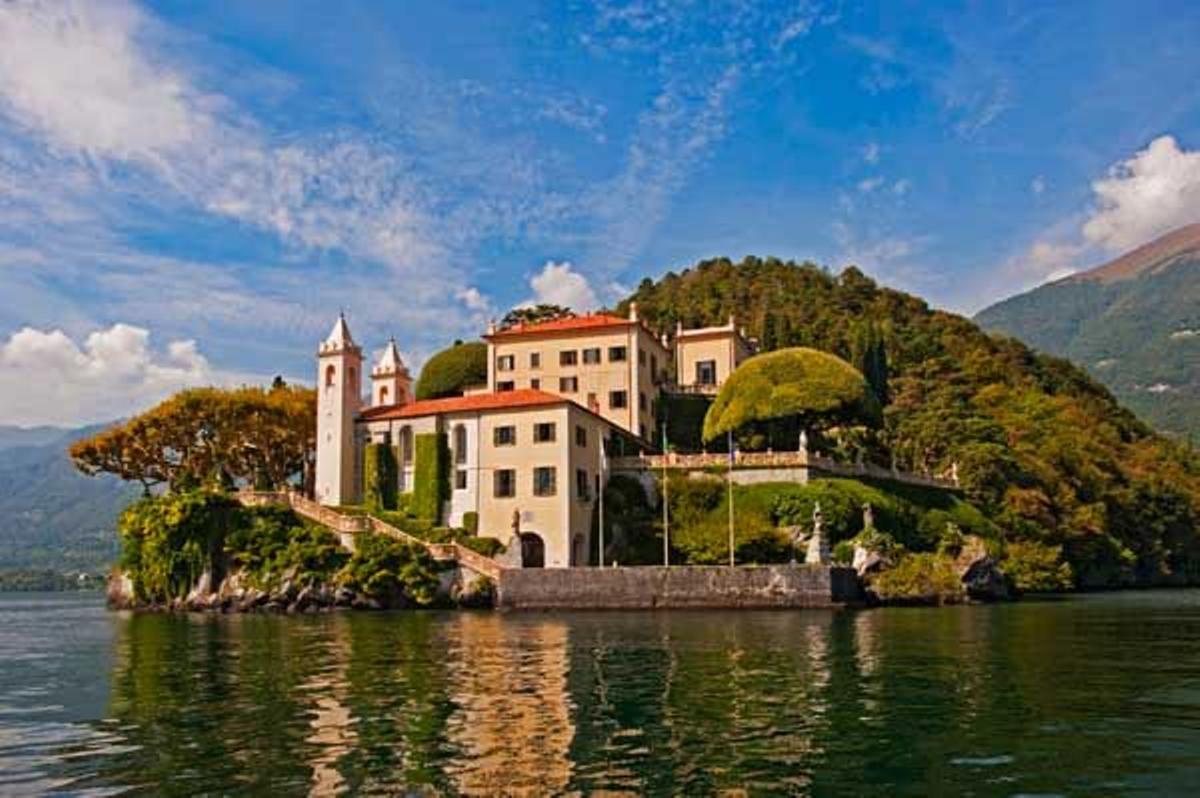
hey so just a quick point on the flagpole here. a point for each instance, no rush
(601, 499)
(732, 454)
(666, 512)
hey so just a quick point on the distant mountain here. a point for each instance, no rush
(1134, 323)
(51, 516)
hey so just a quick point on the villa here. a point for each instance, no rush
(527, 450)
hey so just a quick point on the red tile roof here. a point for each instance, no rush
(526, 397)
(591, 321)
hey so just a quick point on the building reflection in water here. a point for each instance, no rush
(512, 726)
(332, 724)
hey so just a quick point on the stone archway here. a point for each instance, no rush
(533, 550)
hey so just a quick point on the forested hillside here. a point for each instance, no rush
(1041, 446)
(52, 516)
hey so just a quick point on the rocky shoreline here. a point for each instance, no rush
(236, 594)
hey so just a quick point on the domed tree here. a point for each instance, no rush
(813, 389)
(452, 370)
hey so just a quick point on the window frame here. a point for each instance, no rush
(592, 356)
(613, 354)
(543, 492)
(563, 382)
(540, 426)
(497, 478)
(511, 429)
(568, 357)
(613, 405)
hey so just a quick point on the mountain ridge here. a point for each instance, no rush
(1133, 323)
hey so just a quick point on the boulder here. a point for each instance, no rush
(867, 562)
(980, 573)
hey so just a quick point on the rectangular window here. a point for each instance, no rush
(642, 357)
(641, 401)
(505, 483)
(543, 481)
(706, 372)
(543, 433)
(617, 354)
(654, 367)
(593, 403)
(591, 356)
(580, 436)
(504, 436)
(568, 385)
(535, 360)
(617, 400)
(568, 358)
(506, 363)
(583, 485)
(505, 385)
(535, 384)
(460, 479)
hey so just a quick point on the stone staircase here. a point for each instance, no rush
(347, 526)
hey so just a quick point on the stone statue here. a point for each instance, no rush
(513, 556)
(818, 546)
(868, 516)
(803, 442)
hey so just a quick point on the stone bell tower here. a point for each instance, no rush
(339, 398)
(391, 383)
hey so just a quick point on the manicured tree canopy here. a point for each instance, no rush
(450, 371)
(791, 382)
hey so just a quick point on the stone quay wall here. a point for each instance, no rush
(678, 587)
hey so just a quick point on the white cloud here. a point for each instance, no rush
(869, 184)
(72, 71)
(560, 284)
(1155, 191)
(901, 187)
(47, 378)
(473, 299)
(1038, 185)
(870, 152)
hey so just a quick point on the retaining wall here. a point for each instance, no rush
(677, 587)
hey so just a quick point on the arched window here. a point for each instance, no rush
(383, 395)
(330, 374)
(460, 444)
(351, 375)
(406, 445)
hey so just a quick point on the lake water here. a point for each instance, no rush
(1097, 695)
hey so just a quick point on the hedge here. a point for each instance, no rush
(450, 371)
(431, 476)
(379, 477)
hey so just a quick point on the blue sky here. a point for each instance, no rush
(189, 191)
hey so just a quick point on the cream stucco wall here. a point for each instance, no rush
(564, 520)
(723, 346)
(597, 381)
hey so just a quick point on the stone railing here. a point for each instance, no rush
(345, 524)
(747, 460)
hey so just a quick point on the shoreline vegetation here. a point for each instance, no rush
(1060, 488)
(44, 580)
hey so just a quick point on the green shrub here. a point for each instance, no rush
(920, 578)
(389, 570)
(379, 477)
(452, 370)
(168, 541)
(471, 522)
(843, 553)
(431, 476)
(700, 523)
(488, 547)
(1036, 567)
(271, 542)
(807, 383)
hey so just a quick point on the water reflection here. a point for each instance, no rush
(1079, 698)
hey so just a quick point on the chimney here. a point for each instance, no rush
(633, 316)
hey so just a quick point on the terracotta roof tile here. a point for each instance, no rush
(527, 397)
(589, 322)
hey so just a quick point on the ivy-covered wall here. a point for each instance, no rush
(379, 477)
(431, 476)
